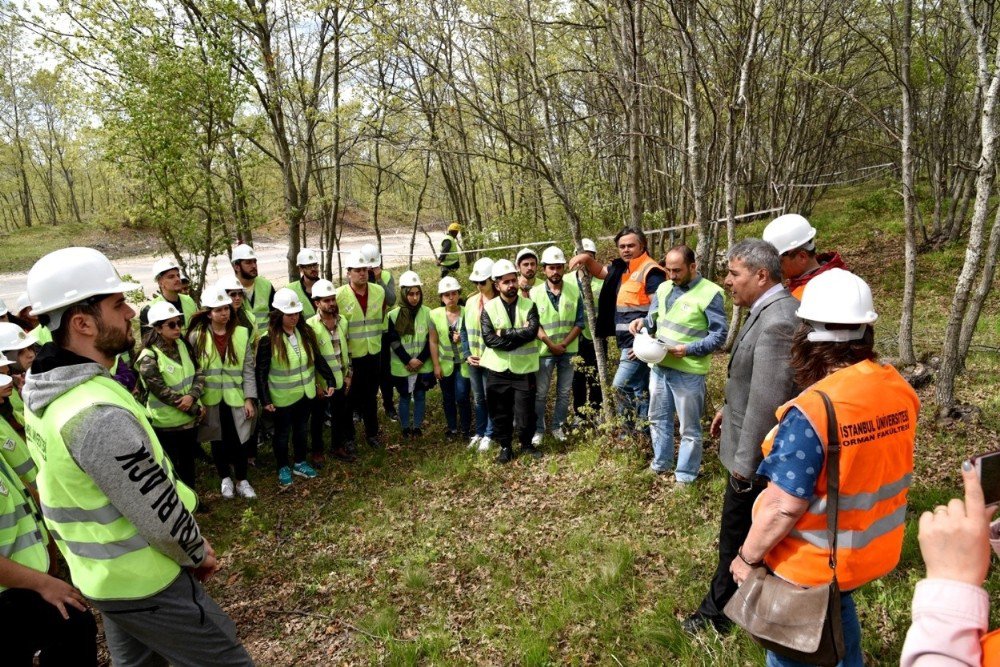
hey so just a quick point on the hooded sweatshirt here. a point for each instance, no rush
(105, 441)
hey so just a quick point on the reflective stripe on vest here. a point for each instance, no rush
(877, 416)
(473, 310)
(557, 323)
(290, 380)
(364, 329)
(107, 558)
(685, 322)
(521, 360)
(449, 354)
(261, 308)
(178, 378)
(332, 347)
(22, 536)
(412, 343)
(15, 452)
(224, 378)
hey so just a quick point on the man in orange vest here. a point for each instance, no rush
(629, 285)
(795, 240)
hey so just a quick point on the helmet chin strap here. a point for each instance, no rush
(820, 334)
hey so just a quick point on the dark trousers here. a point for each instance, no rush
(229, 454)
(586, 387)
(341, 424)
(364, 390)
(455, 398)
(292, 419)
(737, 507)
(30, 623)
(179, 446)
(385, 378)
(509, 394)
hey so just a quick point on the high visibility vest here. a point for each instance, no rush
(107, 557)
(449, 248)
(685, 322)
(991, 649)
(412, 343)
(179, 378)
(333, 347)
(521, 360)
(15, 452)
(42, 334)
(364, 328)
(261, 307)
(473, 309)
(877, 418)
(291, 380)
(449, 354)
(383, 279)
(595, 286)
(223, 378)
(306, 299)
(22, 535)
(557, 322)
(632, 293)
(188, 309)
(17, 406)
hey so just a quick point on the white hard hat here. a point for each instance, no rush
(370, 253)
(589, 245)
(524, 252)
(501, 268)
(161, 311)
(214, 297)
(306, 257)
(161, 266)
(22, 302)
(553, 255)
(481, 270)
(4, 361)
(448, 284)
(410, 279)
(13, 338)
(355, 260)
(788, 232)
(836, 297)
(648, 349)
(68, 276)
(287, 301)
(3, 307)
(229, 284)
(323, 288)
(5, 380)
(243, 251)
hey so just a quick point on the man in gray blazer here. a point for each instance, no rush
(760, 380)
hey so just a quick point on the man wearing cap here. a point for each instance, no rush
(526, 262)
(509, 327)
(109, 495)
(448, 260)
(586, 388)
(258, 290)
(167, 274)
(795, 240)
(560, 321)
(308, 263)
(688, 317)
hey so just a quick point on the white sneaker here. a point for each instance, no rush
(245, 490)
(227, 487)
(558, 434)
(484, 443)
(536, 439)
(474, 442)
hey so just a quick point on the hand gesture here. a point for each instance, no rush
(473, 360)
(635, 326)
(414, 364)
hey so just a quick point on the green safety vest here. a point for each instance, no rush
(521, 360)
(107, 557)
(557, 323)
(364, 329)
(305, 299)
(472, 330)
(42, 334)
(334, 350)
(294, 378)
(179, 378)
(15, 452)
(260, 308)
(595, 286)
(413, 343)
(22, 536)
(685, 323)
(449, 354)
(224, 378)
(449, 249)
(17, 406)
(188, 308)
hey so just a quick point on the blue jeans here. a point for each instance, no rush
(631, 383)
(673, 391)
(419, 402)
(455, 396)
(563, 367)
(852, 639)
(484, 423)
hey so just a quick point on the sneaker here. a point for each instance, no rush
(474, 442)
(407, 432)
(559, 435)
(531, 451)
(227, 488)
(245, 490)
(652, 472)
(392, 415)
(451, 434)
(484, 443)
(506, 455)
(303, 469)
(285, 476)
(417, 432)
(536, 439)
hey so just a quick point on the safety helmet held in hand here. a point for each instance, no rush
(161, 311)
(788, 232)
(553, 255)
(214, 297)
(13, 338)
(837, 297)
(648, 349)
(68, 276)
(370, 254)
(481, 270)
(287, 301)
(306, 257)
(243, 251)
(448, 284)
(322, 289)
(501, 268)
(525, 252)
(410, 279)
(163, 265)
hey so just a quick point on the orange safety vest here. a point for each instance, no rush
(632, 293)
(797, 292)
(876, 413)
(991, 649)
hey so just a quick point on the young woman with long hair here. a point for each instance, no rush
(448, 320)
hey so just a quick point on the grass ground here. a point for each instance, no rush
(424, 553)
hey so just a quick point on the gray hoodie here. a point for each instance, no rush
(111, 446)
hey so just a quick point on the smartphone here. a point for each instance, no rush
(988, 468)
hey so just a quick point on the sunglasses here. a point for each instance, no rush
(171, 324)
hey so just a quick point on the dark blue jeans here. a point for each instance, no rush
(852, 639)
(457, 406)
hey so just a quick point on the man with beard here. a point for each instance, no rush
(109, 495)
(526, 262)
(332, 341)
(167, 274)
(259, 292)
(308, 263)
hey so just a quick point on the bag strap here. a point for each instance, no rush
(832, 479)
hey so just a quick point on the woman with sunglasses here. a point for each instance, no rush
(472, 349)
(447, 321)
(173, 387)
(224, 350)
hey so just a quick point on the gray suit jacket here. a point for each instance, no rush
(760, 379)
